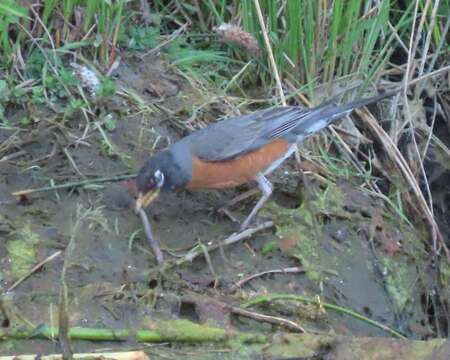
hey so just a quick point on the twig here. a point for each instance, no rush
(204, 248)
(235, 237)
(269, 51)
(268, 298)
(126, 355)
(225, 211)
(268, 319)
(289, 270)
(225, 309)
(13, 156)
(413, 43)
(74, 184)
(151, 240)
(33, 270)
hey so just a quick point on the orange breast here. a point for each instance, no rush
(230, 173)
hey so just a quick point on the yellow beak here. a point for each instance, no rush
(145, 200)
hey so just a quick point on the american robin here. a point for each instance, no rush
(237, 150)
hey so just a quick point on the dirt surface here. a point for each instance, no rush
(354, 252)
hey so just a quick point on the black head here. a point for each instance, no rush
(150, 180)
(150, 176)
(170, 169)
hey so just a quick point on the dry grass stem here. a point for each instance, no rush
(33, 270)
(289, 270)
(274, 320)
(273, 64)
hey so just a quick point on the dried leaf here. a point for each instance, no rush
(287, 243)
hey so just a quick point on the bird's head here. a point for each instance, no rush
(149, 181)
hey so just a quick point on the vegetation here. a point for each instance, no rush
(315, 44)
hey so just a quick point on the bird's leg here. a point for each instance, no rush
(266, 189)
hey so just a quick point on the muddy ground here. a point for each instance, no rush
(354, 251)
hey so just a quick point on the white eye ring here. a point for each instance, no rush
(159, 177)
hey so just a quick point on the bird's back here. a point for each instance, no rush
(236, 136)
(233, 137)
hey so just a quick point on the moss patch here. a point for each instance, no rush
(22, 252)
(444, 267)
(330, 241)
(300, 231)
(399, 280)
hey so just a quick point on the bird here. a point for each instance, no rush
(238, 150)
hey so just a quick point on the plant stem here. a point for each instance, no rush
(74, 184)
(270, 52)
(268, 298)
(163, 331)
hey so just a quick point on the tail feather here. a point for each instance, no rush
(325, 114)
(363, 102)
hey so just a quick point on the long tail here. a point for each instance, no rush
(323, 115)
(363, 102)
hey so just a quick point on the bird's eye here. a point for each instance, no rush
(159, 178)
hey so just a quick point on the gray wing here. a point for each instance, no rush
(232, 137)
